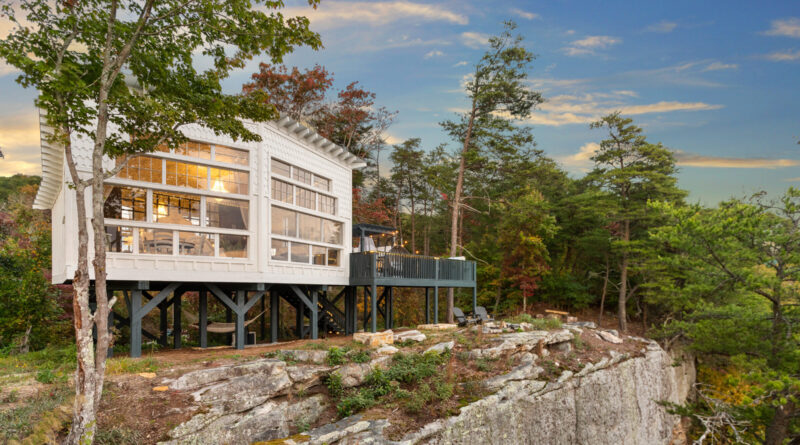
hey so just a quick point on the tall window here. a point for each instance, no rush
(149, 209)
(282, 191)
(301, 175)
(306, 198)
(304, 233)
(176, 208)
(128, 203)
(327, 204)
(281, 168)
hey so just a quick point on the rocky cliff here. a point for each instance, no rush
(614, 400)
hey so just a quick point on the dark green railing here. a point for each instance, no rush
(366, 266)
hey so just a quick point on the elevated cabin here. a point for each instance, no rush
(246, 223)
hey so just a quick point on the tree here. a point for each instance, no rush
(729, 278)
(634, 171)
(299, 95)
(121, 73)
(525, 224)
(496, 91)
(407, 174)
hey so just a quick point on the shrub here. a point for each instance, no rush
(378, 382)
(45, 376)
(335, 357)
(334, 384)
(355, 402)
(411, 368)
(360, 356)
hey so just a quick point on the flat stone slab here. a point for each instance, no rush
(609, 337)
(412, 335)
(437, 326)
(375, 339)
(441, 347)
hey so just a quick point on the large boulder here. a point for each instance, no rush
(375, 339)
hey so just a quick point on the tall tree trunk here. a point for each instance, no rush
(778, 428)
(413, 224)
(623, 287)
(84, 409)
(603, 295)
(457, 205)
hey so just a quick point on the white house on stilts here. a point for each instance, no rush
(246, 223)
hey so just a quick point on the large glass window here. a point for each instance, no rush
(304, 176)
(333, 257)
(281, 168)
(284, 222)
(182, 174)
(155, 241)
(282, 191)
(318, 255)
(227, 213)
(194, 149)
(327, 204)
(119, 239)
(322, 183)
(141, 168)
(309, 227)
(331, 231)
(230, 181)
(280, 250)
(231, 155)
(176, 208)
(306, 198)
(233, 246)
(128, 203)
(195, 244)
(300, 253)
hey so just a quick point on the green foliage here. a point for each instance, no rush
(30, 316)
(411, 368)
(362, 356)
(356, 401)
(728, 278)
(42, 414)
(45, 376)
(334, 384)
(335, 356)
(12, 185)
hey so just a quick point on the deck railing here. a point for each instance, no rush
(369, 265)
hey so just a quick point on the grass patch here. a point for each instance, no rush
(360, 356)
(127, 365)
(18, 423)
(544, 324)
(61, 361)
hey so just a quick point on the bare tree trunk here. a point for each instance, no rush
(524, 302)
(413, 224)
(83, 423)
(623, 287)
(457, 205)
(603, 295)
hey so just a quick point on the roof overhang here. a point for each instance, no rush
(310, 137)
(52, 167)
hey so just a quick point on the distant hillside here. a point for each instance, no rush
(10, 185)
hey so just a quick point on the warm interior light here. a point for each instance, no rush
(162, 210)
(218, 187)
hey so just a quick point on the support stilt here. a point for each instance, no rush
(240, 300)
(176, 320)
(374, 310)
(136, 323)
(274, 312)
(203, 322)
(436, 304)
(427, 305)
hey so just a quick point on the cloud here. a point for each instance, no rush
(461, 63)
(343, 14)
(784, 56)
(662, 27)
(433, 53)
(19, 139)
(568, 109)
(717, 66)
(695, 160)
(590, 44)
(582, 159)
(474, 40)
(392, 139)
(788, 27)
(6, 69)
(524, 14)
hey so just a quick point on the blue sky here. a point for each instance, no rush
(718, 82)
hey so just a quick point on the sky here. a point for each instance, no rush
(717, 82)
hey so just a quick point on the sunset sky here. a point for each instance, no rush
(717, 82)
